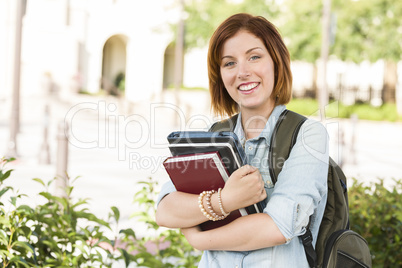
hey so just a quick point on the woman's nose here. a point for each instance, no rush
(244, 71)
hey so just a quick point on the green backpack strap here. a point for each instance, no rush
(228, 124)
(283, 139)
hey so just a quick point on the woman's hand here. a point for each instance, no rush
(244, 187)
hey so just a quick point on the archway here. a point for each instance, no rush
(114, 65)
(168, 66)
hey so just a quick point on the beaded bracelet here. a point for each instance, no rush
(211, 210)
(220, 203)
(201, 205)
(211, 215)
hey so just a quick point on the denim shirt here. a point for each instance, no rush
(301, 191)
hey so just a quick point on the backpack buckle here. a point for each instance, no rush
(307, 238)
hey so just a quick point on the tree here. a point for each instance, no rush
(205, 15)
(371, 30)
(368, 30)
(301, 29)
(365, 30)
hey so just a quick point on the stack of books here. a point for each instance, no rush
(203, 161)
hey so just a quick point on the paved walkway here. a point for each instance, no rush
(114, 145)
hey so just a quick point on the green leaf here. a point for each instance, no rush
(79, 203)
(128, 232)
(24, 245)
(91, 217)
(69, 190)
(7, 160)
(25, 208)
(13, 200)
(50, 197)
(116, 213)
(25, 230)
(46, 195)
(3, 191)
(19, 260)
(128, 258)
(5, 175)
(40, 181)
(76, 178)
(3, 238)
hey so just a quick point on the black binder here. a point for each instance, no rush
(225, 142)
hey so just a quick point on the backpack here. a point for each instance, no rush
(337, 245)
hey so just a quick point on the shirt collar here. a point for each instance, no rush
(266, 132)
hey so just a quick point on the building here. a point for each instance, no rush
(70, 46)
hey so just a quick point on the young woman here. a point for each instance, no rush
(249, 73)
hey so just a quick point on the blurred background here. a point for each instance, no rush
(92, 88)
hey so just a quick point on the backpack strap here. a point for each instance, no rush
(307, 240)
(228, 124)
(283, 139)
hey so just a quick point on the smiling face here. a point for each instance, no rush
(247, 71)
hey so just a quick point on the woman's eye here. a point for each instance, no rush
(228, 64)
(255, 57)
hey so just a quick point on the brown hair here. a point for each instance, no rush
(222, 103)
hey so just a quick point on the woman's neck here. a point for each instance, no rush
(254, 122)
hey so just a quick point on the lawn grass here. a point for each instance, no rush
(385, 112)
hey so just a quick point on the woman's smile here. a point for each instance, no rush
(247, 88)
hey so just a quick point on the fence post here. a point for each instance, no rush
(62, 159)
(44, 154)
(398, 94)
(341, 142)
(354, 118)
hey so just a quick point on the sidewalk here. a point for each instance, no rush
(374, 152)
(115, 145)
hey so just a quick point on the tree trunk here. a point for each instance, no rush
(398, 93)
(314, 90)
(390, 80)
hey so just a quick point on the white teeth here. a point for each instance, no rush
(248, 86)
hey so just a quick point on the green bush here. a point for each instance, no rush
(376, 214)
(59, 233)
(308, 107)
(172, 249)
(63, 233)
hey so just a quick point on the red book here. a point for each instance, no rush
(194, 173)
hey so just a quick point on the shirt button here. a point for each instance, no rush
(269, 182)
(250, 148)
(237, 266)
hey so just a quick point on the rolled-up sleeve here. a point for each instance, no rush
(302, 184)
(167, 188)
